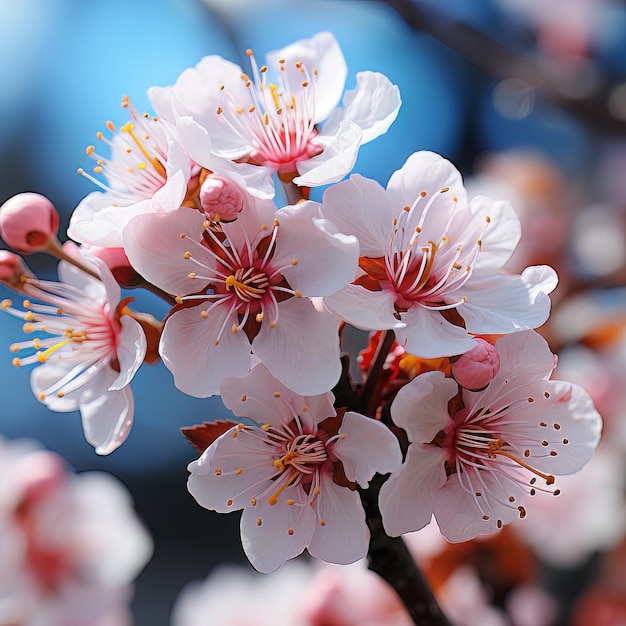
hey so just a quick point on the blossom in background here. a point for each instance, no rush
(244, 289)
(272, 118)
(430, 260)
(475, 456)
(70, 545)
(86, 345)
(294, 472)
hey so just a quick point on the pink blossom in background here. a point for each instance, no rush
(70, 544)
(294, 472)
(430, 260)
(472, 463)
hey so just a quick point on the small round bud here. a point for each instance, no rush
(28, 221)
(475, 369)
(12, 269)
(221, 199)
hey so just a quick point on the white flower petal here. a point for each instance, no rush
(421, 406)
(369, 447)
(428, 334)
(269, 544)
(406, 498)
(131, 350)
(373, 105)
(188, 350)
(360, 206)
(107, 419)
(364, 309)
(344, 537)
(302, 351)
(322, 53)
(336, 160)
(318, 260)
(156, 250)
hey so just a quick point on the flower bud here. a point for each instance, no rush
(28, 221)
(475, 369)
(221, 198)
(12, 269)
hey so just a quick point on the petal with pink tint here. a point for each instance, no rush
(156, 250)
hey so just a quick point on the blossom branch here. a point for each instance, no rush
(390, 558)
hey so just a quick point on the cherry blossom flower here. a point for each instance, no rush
(475, 456)
(148, 171)
(272, 119)
(87, 347)
(294, 472)
(70, 545)
(430, 260)
(243, 287)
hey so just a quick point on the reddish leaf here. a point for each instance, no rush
(201, 436)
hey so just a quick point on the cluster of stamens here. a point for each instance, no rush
(245, 281)
(69, 328)
(138, 154)
(299, 458)
(278, 121)
(433, 273)
(479, 446)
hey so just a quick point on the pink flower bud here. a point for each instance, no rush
(475, 369)
(28, 221)
(221, 198)
(12, 269)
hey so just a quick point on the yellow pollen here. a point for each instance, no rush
(291, 502)
(110, 125)
(317, 491)
(266, 427)
(14, 348)
(259, 317)
(29, 316)
(218, 472)
(444, 189)
(187, 255)
(423, 194)
(234, 329)
(99, 135)
(229, 502)
(90, 150)
(239, 470)
(253, 501)
(28, 328)
(192, 275)
(276, 394)
(204, 314)
(290, 531)
(294, 261)
(182, 235)
(259, 522)
(16, 362)
(273, 324)
(487, 219)
(97, 169)
(60, 394)
(5, 304)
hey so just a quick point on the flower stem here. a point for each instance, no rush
(390, 558)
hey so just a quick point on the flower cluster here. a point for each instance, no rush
(214, 205)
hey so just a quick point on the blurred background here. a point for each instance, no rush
(526, 97)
